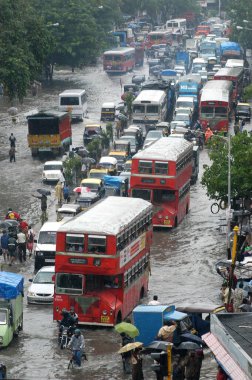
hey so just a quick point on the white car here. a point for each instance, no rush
(52, 171)
(151, 137)
(42, 288)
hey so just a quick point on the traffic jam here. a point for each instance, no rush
(92, 260)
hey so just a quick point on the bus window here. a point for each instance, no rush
(138, 109)
(97, 243)
(220, 111)
(113, 282)
(74, 243)
(152, 109)
(145, 167)
(69, 101)
(142, 193)
(69, 283)
(207, 111)
(160, 196)
(161, 167)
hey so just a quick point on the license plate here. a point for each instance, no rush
(104, 319)
(167, 222)
(49, 260)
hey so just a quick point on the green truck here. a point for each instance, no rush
(11, 306)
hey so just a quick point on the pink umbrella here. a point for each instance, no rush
(77, 190)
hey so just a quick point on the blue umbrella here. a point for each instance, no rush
(191, 338)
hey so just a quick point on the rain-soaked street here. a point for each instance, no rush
(182, 259)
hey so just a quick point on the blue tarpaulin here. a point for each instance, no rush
(113, 181)
(11, 285)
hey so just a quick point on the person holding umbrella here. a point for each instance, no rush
(136, 361)
(43, 199)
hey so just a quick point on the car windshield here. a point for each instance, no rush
(243, 108)
(181, 117)
(3, 317)
(129, 138)
(154, 135)
(67, 214)
(91, 186)
(184, 104)
(97, 175)
(43, 278)
(53, 167)
(47, 237)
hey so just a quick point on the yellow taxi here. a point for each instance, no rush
(98, 173)
(95, 185)
(127, 166)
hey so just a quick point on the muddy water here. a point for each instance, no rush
(182, 259)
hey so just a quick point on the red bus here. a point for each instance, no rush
(119, 60)
(235, 75)
(161, 174)
(158, 37)
(102, 261)
(216, 105)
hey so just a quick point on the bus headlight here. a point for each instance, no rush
(104, 312)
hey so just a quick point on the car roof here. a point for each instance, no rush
(92, 180)
(53, 163)
(108, 105)
(69, 207)
(108, 160)
(47, 269)
(50, 226)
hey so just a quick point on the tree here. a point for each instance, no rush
(239, 10)
(215, 177)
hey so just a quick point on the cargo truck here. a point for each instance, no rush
(11, 306)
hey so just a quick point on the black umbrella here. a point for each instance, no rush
(88, 160)
(187, 346)
(44, 192)
(158, 345)
(81, 151)
(188, 337)
(5, 224)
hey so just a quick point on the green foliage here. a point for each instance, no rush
(72, 169)
(94, 148)
(247, 93)
(239, 10)
(24, 44)
(109, 130)
(128, 99)
(215, 177)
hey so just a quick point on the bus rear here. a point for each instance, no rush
(119, 60)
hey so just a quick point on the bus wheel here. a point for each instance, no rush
(142, 293)
(176, 222)
(119, 317)
(34, 152)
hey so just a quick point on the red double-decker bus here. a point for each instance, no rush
(158, 37)
(216, 105)
(102, 261)
(161, 175)
(119, 60)
(235, 75)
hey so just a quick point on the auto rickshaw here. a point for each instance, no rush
(108, 112)
(108, 163)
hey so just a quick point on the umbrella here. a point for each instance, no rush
(127, 328)
(121, 116)
(187, 346)
(8, 223)
(129, 347)
(158, 345)
(88, 160)
(81, 151)
(192, 338)
(77, 190)
(44, 192)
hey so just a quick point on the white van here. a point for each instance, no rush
(74, 101)
(46, 245)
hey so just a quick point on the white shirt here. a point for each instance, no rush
(21, 238)
(154, 303)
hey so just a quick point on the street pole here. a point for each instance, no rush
(169, 361)
(231, 272)
(229, 197)
(219, 8)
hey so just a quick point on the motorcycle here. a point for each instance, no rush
(65, 334)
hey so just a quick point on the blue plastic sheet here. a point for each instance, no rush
(11, 285)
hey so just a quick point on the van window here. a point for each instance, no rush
(47, 237)
(69, 101)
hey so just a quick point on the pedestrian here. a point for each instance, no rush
(236, 128)
(66, 193)
(59, 192)
(12, 248)
(30, 240)
(4, 245)
(62, 178)
(178, 368)
(208, 134)
(43, 205)
(126, 356)
(118, 128)
(221, 375)
(154, 301)
(165, 333)
(137, 364)
(225, 294)
(23, 225)
(83, 170)
(192, 366)
(21, 240)
(12, 214)
(12, 140)
(77, 345)
(242, 125)
(12, 154)
(238, 297)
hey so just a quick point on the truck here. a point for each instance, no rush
(11, 306)
(230, 50)
(183, 58)
(49, 131)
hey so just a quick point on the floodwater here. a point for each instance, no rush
(182, 259)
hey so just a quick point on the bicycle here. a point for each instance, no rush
(43, 217)
(216, 207)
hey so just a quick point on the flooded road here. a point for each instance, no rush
(182, 259)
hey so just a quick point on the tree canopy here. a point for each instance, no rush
(215, 177)
(239, 10)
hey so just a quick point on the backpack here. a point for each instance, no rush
(30, 237)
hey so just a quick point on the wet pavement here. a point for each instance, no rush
(182, 259)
